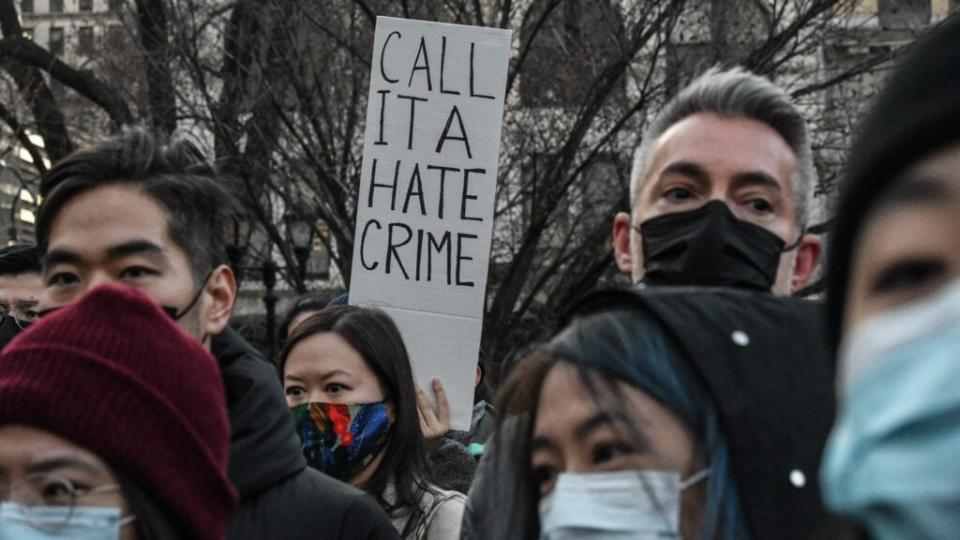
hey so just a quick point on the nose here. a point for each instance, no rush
(97, 279)
(317, 395)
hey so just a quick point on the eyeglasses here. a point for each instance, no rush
(22, 313)
(45, 496)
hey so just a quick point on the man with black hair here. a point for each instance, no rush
(20, 287)
(152, 214)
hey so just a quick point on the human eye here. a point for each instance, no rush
(908, 276)
(335, 388)
(135, 273)
(295, 391)
(62, 279)
(760, 205)
(608, 451)
(678, 194)
(57, 491)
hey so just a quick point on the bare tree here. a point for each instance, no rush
(278, 90)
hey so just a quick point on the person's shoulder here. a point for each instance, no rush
(338, 506)
(327, 487)
(444, 513)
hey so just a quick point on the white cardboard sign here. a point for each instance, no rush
(428, 179)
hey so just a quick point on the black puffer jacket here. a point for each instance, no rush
(280, 497)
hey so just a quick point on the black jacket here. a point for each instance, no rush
(765, 363)
(280, 497)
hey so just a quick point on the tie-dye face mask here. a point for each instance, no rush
(340, 439)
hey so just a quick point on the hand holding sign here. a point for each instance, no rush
(427, 188)
(435, 423)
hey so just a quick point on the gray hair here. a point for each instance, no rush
(735, 93)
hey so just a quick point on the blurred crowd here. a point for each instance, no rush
(704, 402)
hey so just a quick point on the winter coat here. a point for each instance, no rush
(280, 497)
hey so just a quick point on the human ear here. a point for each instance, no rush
(221, 289)
(621, 241)
(808, 255)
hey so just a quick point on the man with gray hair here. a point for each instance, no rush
(720, 190)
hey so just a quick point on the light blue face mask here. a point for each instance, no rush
(893, 459)
(621, 505)
(82, 523)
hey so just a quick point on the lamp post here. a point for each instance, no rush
(301, 227)
(238, 239)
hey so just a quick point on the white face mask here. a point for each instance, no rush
(621, 505)
(82, 522)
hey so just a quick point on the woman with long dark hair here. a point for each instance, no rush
(347, 377)
(673, 414)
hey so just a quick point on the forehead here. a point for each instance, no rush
(932, 183)
(21, 445)
(565, 401)
(919, 212)
(323, 353)
(725, 146)
(107, 216)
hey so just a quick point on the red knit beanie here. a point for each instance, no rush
(115, 375)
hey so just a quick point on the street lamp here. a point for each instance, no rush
(301, 227)
(238, 239)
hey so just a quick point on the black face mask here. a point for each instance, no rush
(9, 328)
(710, 247)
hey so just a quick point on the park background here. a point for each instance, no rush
(275, 91)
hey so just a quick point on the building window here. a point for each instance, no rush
(56, 6)
(26, 6)
(115, 5)
(56, 40)
(85, 40)
(86, 5)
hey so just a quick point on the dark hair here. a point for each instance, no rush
(173, 172)
(19, 259)
(611, 347)
(376, 337)
(914, 115)
(301, 305)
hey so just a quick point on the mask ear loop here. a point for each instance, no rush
(196, 298)
(695, 479)
(793, 246)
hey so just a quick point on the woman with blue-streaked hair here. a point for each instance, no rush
(671, 414)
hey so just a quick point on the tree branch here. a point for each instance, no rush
(82, 81)
(152, 19)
